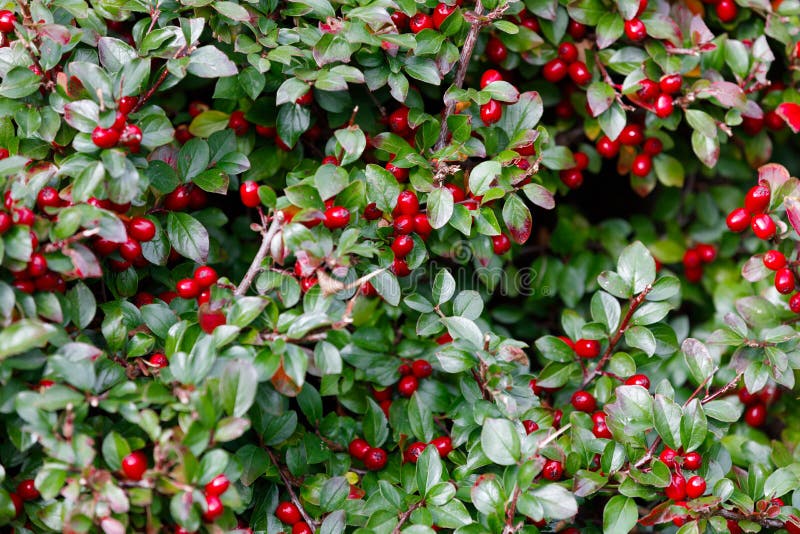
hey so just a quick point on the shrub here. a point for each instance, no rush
(272, 266)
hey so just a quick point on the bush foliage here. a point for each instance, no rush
(398, 266)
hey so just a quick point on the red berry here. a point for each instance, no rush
(726, 10)
(330, 160)
(265, 131)
(372, 213)
(7, 20)
(607, 148)
(400, 268)
(552, 470)
(209, 321)
(440, 13)
(142, 229)
(26, 490)
(24, 216)
(691, 259)
(218, 485)
(784, 281)
(205, 276)
(491, 112)
(677, 488)
(670, 83)
(400, 20)
(635, 29)
(652, 146)
(420, 21)
(287, 512)
(158, 360)
(581, 160)
(404, 224)
(5, 222)
(490, 76)
(238, 123)
(633, 134)
(501, 244)
(530, 426)
(638, 380)
(443, 444)
(47, 198)
(708, 253)
(358, 448)
(105, 137)
(668, 456)
(37, 265)
(336, 217)
(375, 459)
(130, 249)
(664, 106)
(568, 52)
(600, 429)
(748, 398)
(757, 199)
(763, 226)
(306, 99)
(422, 225)
(444, 339)
(398, 121)
(794, 303)
(407, 204)
(178, 200)
(496, 51)
(196, 107)
(182, 134)
(774, 260)
(402, 246)
(587, 348)
(773, 120)
(583, 401)
(248, 192)
(407, 385)
(692, 461)
(738, 220)
(572, 178)
(187, 288)
(134, 465)
(752, 125)
(695, 487)
(131, 137)
(555, 70)
(412, 453)
(576, 30)
(648, 89)
(19, 506)
(755, 415)
(580, 73)
(400, 174)
(301, 528)
(421, 368)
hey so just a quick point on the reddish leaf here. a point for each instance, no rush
(284, 384)
(792, 205)
(790, 112)
(84, 261)
(775, 175)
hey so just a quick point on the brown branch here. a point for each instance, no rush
(763, 521)
(461, 73)
(288, 484)
(634, 304)
(150, 92)
(405, 515)
(255, 266)
(727, 387)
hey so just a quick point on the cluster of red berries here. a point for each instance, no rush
(754, 213)
(288, 513)
(411, 375)
(26, 491)
(492, 111)
(121, 132)
(695, 257)
(140, 230)
(199, 287)
(566, 63)
(770, 119)
(657, 97)
(423, 21)
(756, 404)
(632, 135)
(679, 488)
(213, 490)
(443, 444)
(785, 281)
(374, 458)
(573, 177)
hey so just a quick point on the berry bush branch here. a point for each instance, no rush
(634, 304)
(263, 251)
(287, 483)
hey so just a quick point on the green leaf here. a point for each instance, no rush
(210, 62)
(620, 515)
(440, 207)
(667, 419)
(429, 469)
(188, 236)
(238, 387)
(606, 310)
(641, 338)
(694, 426)
(636, 267)
(600, 96)
(518, 218)
(23, 335)
(293, 121)
(382, 187)
(376, 427)
(557, 502)
(483, 176)
(500, 441)
(461, 328)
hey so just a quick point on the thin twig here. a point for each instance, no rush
(405, 515)
(255, 266)
(150, 92)
(288, 484)
(461, 73)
